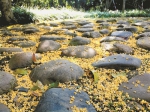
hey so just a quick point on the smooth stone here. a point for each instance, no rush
(118, 61)
(47, 27)
(90, 25)
(21, 89)
(83, 22)
(145, 34)
(54, 24)
(140, 24)
(56, 70)
(79, 41)
(131, 29)
(50, 37)
(70, 27)
(73, 34)
(4, 108)
(137, 87)
(25, 44)
(21, 60)
(84, 29)
(79, 52)
(67, 23)
(16, 29)
(112, 38)
(93, 34)
(10, 49)
(123, 34)
(8, 33)
(123, 22)
(57, 100)
(144, 42)
(30, 30)
(7, 82)
(48, 45)
(121, 48)
(104, 24)
(104, 31)
(107, 46)
(99, 21)
(16, 38)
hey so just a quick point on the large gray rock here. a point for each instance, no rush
(4, 108)
(137, 87)
(79, 52)
(48, 45)
(7, 82)
(90, 25)
(121, 48)
(123, 34)
(79, 41)
(50, 37)
(93, 34)
(58, 100)
(145, 34)
(112, 38)
(144, 42)
(70, 27)
(119, 61)
(56, 70)
(23, 59)
(84, 29)
(10, 49)
(25, 44)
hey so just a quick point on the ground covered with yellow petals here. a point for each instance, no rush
(103, 92)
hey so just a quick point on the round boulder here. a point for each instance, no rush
(79, 52)
(123, 34)
(48, 45)
(58, 100)
(23, 59)
(144, 42)
(79, 41)
(7, 82)
(137, 87)
(118, 61)
(56, 70)
(4, 108)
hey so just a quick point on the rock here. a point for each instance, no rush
(99, 21)
(144, 42)
(58, 100)
(70, 33)
(104, 24)
(123, 22)
(50, 37)
(145, 34)
(121, 48)
(47, 27)
(104, 31)
(107, 46)
(16, 38)
(10, 49)
(7, 82)
(84, 29)
(93, 34)
(124, 34)
(54, 24)
(83, 22)
(67, 23)
(79, 41)
(131, 29)
(79, 52)
(4, 108)
(25, 44)
(48, 45)
(70, 27)
(29, 30)
(137, 87)
(23, 59)
(132, 73)
(118, 61)
(8, 33)
(90, 25)
(140, 24)
(56, 70)
(112, 38)
(21, 89)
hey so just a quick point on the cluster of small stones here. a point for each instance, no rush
(107, 60)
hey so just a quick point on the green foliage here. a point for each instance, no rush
(21, 71)
(22, 15)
